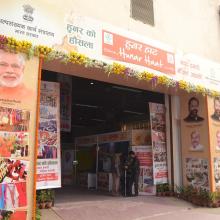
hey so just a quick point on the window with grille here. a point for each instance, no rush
(143, 10)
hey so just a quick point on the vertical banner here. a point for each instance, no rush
(214, 132)
(18, 105)
(49, 164)
(217, 173)
(67, 167)
(146, 184)
(65, 102)
(158, 131)
(195, 141)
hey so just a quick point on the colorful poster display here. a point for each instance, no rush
(158, 131)
(65, 102)
(197, 173)
(146, 183)
(49, 161)
(18, 105)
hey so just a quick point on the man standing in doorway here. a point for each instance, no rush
(133, 171)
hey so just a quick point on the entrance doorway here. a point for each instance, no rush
(111, 115)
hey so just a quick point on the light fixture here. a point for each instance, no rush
(97, 119)
(132, 112)
(88, 106)
(92, 83)
(127, 89)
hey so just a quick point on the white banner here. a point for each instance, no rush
(49, 164)
(197, 71)
(144, 154)
(158, 131)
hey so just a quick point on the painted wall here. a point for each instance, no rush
(191, 26)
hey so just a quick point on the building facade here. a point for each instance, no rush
(171, 47)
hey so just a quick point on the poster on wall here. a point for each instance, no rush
(13, 215)
(197, 174)
(158, 131)
(193, 122)
(49, 161)
(67, 167)
(214, 107)
(65, 102)
(217, 173)
(146, 183)
(18, 104)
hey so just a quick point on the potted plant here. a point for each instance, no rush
(159, 190)
(38, 214)
(50, 198)
(211, 199)
(42, 197)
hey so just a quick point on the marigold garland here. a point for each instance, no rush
(13, 45)
(118, 68)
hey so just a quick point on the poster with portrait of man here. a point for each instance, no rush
(18, 108)
(195, 141)
(214, 123)
(15, 78)
(216, 110)
(193, 111)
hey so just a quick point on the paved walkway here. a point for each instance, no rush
(82, 205)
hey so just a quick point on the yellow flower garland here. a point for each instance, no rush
(13, 45)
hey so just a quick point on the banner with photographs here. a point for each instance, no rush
(18, 104)
(65, 102)
(197, 173)
(146, 183)
(49, 164)
(217, 173)
(158, 131)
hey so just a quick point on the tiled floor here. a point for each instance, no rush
(78, 204)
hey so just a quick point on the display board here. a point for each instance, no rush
(18, 108)
(214, 132)
(158, 133)
(146, 183)
(49, 161)
(195, 141)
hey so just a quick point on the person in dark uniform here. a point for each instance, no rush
(193, 106)
(133, 171)
(216, 115)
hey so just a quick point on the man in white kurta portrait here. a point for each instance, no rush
(195, 142)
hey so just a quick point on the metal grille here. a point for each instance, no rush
(143, 10)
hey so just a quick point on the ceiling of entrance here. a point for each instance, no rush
(99, 107)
